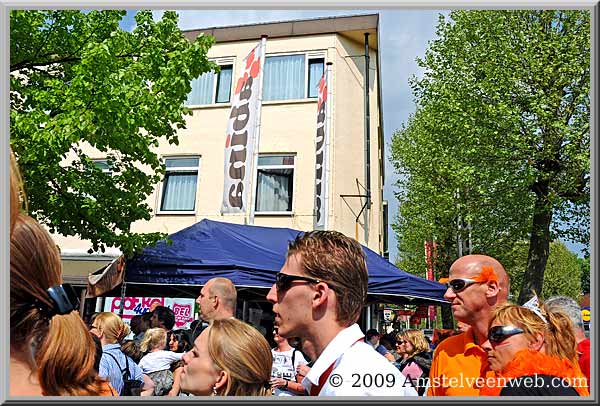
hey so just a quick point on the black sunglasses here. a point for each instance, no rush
(400, 342)
(458, 285)
(497, 334)
(284, 281)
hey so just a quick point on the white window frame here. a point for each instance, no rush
(213, 101)
(293, 167)
(308, 55)
(178, 169)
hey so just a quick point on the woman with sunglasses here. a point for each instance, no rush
(417, 358)
(533, 353)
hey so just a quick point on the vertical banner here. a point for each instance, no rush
(322, 143)
(430, 256)
(241, 133)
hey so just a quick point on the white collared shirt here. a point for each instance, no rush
(358, 369)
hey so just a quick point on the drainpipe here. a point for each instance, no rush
(367, 140)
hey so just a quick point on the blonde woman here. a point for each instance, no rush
(229, 358)
(417, 358)
(111, 331)
(157, 362)
(529, 343)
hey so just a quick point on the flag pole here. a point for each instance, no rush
(326, 157)
(252, 193)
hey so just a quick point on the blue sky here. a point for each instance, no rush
(404, 36)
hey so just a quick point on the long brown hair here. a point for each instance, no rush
(60, 350)
(240, 350)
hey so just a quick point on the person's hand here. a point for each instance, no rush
(302, 369)
(278, 383)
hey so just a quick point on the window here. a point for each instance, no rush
(102, 164)
(179, 185)
(292, 76)
(275, 183)
(315, 72)
(211, 87)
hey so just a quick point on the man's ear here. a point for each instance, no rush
(222, 380)
(320, 294)
(493, 288)
(538, 343)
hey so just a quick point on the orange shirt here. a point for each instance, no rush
(457, 367)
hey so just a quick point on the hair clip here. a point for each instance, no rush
(64, 298)
(533, 304)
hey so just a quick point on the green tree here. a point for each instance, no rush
(78, 80)
(584, 263)
(499, 144)
(563, 270)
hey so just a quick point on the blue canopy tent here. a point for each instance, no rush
(250, 256)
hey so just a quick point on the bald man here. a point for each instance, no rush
(477, 284)
(217, 300)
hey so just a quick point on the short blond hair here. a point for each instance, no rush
(417, 339)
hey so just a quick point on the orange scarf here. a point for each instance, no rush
(528, 362)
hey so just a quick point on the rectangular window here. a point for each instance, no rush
(315, 72)
(180, 184)
(284, 77)
(275, 183)
(102, 164)
(292, 76)
(211, 87)
(224, 84)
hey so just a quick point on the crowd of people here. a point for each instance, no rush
(320, 350)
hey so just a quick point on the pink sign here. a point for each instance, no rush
(132, 306)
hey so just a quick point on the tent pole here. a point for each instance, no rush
(368, 317)
(99, 304)
(122, 301)
(245, 311)
(82, 302)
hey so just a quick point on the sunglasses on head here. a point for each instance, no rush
(458, 285)
(497, 334)
(284, 281)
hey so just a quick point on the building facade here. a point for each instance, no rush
(284, 193)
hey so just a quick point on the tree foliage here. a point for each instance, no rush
(584, 263)
(563, 270)
(499, 143)
(78, 80)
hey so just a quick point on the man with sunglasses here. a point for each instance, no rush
(477, 284)
(318, 296)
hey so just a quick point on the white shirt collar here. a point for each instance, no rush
(333, 351)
